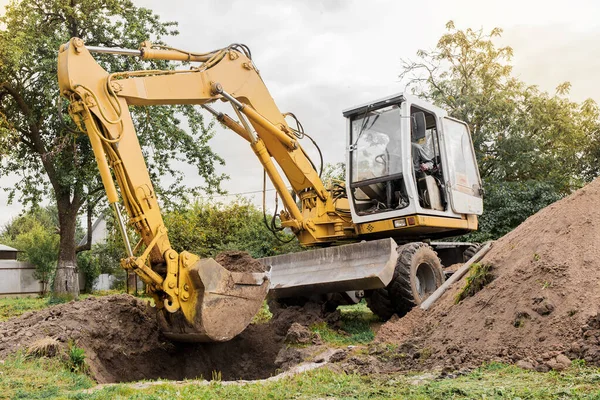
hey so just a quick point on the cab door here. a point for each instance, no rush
(463, 181)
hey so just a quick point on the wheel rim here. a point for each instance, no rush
(425, 280)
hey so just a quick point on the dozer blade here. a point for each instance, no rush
(357, 266)
(221, 306)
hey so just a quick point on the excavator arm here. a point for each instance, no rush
(197, 300)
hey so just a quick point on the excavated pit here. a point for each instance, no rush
(122, 341)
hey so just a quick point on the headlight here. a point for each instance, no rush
(399, 223)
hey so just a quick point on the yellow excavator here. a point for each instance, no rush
(412, 178)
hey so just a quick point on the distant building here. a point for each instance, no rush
(16, 277)
(99, 232)
(8, 253)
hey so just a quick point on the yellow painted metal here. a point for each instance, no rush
(195, 87)
(234, 126)
(422, 223)
(265, 159)
(107, 180)
(286, 140)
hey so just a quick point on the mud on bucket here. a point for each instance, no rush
(222, 306)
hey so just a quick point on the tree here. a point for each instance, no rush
(334, 172)
(526, 140)
(37, 145)
(34, 234)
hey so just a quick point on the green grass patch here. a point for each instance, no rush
(263, 315)
(15, 306)
(39, 378)
(493, 381)
(479, 276)
(355, 326)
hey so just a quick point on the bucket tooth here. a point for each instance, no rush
(222, 303)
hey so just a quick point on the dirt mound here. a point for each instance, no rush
(239, 261)
(542, 305)
(122, 342)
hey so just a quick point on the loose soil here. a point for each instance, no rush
(239, 261)
(541, 308)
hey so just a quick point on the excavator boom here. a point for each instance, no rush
(197, 300)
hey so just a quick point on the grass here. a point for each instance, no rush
(47, 378)
(355, 326)
(15, 306)
(263, 316)
(479, 276)
(39, 378)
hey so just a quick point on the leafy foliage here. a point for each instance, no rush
(75, 358)
(88, 263)
(36, 144)
(207, 229)
(507, 204)
(335, 171)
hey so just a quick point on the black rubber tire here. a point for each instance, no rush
(471, 251)
(418, 273)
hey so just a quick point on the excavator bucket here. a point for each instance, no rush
(221, 306)
(351, 267)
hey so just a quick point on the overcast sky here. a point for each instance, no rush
(319, 57)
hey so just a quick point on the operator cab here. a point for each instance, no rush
(407, 157)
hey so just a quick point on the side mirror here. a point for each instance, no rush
(418, 126)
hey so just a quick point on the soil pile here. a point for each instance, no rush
(542, 305)
(239, 261)
(122, 342)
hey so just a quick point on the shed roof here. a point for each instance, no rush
(6, 248)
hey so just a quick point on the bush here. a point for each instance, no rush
(75, 358)
(207, 229)
(89, 265)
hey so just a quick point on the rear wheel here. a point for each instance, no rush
(417, 275)
(471, 251)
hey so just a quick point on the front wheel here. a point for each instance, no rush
(417, 275)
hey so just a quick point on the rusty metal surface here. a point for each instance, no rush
(358, 266)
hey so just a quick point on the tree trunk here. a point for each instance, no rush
(66, 280)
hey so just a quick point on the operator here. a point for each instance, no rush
(422, 160)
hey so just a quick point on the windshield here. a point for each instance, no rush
(377, 144)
